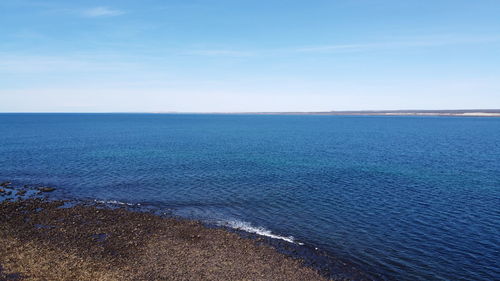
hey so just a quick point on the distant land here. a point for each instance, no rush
(459, 112)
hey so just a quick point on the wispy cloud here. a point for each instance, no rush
(220, 53)
(26, 64)
(394, 45)
(347, 47)
(101, 12)
(353, 47)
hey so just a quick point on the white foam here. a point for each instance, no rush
(235, 224)
(248, 227)
(115, 202)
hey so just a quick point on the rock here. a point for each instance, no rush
(46, 189)
(5, 183)
(21, 192)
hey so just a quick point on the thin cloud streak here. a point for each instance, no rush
(101, 12)
(395, 45)
(342, 48)
(221, 53)
(11, 63)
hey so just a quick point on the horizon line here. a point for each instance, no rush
(478, 110)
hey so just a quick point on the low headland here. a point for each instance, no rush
(456, 113)
(45, 239)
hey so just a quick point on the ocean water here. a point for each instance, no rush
(403, 198)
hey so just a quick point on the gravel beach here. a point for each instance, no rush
(47, 240)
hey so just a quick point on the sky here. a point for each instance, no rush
(248, 55)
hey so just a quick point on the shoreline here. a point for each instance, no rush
(63, 240)
(438, 113)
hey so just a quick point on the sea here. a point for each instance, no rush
(399, 197)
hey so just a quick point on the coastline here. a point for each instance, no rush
(60, 240)
(437, 113)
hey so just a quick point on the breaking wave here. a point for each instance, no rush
(115, 202)
(248, 227)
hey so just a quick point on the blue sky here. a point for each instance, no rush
(248, 55)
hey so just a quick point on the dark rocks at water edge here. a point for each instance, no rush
(9, 191)
(21, 193)
(42, 241)
(46, 189)
(5, 192)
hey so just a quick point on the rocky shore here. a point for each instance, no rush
(52, 240)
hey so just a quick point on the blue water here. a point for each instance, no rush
(404, 198)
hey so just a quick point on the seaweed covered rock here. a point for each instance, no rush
(46, 189)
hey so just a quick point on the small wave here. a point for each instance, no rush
(245, 226)
(115, 202)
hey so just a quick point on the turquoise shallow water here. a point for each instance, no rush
(403, 198)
